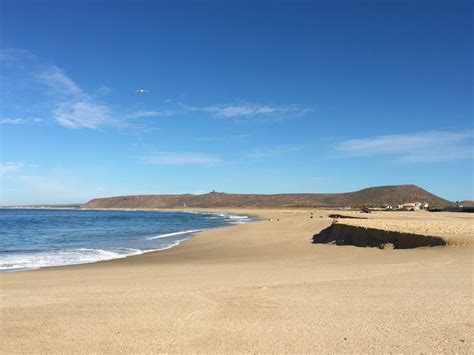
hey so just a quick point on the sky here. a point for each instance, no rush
(243, 97)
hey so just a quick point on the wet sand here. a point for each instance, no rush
(258, 287)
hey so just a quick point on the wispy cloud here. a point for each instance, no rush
(271, 152)
(102, 90)
(18, 121)
(181, 158)
(72, 106)
(224, 137)
(227, 111)
(247, 110)
(430, 146)
(85, 114)
(59, 83)
(11, 167)
(18, 59)
(151, 113)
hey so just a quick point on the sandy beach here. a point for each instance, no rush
(255, 288)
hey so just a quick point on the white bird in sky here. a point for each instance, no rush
(141, 91)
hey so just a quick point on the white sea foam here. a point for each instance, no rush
(229, 215)
(175, 234)
(25, 261)
(35, 260)
(168, 246)
(238, 217)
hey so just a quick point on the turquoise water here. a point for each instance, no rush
(34, 238)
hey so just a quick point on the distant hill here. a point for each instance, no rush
(376, 196)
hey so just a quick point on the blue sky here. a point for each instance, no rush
(247, 97)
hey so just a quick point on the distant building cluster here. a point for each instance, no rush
(409, 206)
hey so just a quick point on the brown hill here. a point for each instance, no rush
(375, 196)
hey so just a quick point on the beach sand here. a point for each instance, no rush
(258, 287)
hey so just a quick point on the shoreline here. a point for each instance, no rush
(248, 288)
(192, 234)
(256, 215)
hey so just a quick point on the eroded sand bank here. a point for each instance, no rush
(399, 230)
(259, 287)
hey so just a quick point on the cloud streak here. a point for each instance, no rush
(150, 113)
(12, 167)
(181, 158)
(229, 111)
(72, 106)
(19, 121)
(422, 147)
(248, 110)
(82, 114)
(271, 152)
(59, 83)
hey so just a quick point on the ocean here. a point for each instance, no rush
(35, 238)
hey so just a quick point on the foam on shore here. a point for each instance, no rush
(173, 234)
(36, 260)
(18, 260)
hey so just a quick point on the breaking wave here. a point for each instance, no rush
(36, 238)
(35, 260)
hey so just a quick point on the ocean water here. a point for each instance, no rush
(34, 238)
